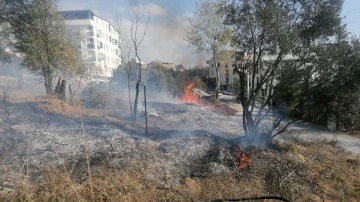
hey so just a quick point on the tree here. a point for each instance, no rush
(136, 14)
(208, 33)
(127, 65)
(272, 37)
(334, 94)
(39, 34)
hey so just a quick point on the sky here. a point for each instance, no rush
(164, 39)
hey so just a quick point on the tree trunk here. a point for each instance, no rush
(70, 94)
(131, 110)
(137, 94)
(337, 119)
(136, 100)
(217, 88)
(63, 90)
(48, 85)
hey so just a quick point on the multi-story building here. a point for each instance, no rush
(97, 40)
(229, 79)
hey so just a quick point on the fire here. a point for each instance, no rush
(244, 161)
(189, 96)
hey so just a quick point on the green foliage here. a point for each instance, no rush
(278, 40)
(94, 96)
(208, 33)
(333, 90)
(39, 33)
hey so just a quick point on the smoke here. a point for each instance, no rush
(165, 36)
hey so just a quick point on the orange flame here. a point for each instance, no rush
(244, 161)
(189, 96)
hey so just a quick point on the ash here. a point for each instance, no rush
(184, 140)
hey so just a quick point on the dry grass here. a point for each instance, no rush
(302, 171)
(335, 173)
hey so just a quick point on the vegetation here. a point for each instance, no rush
(208, 33)
(160, 79)
(301, 171)
(39, 34)
(334, 92)
(264, 45)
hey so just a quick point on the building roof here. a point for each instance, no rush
(80, 15)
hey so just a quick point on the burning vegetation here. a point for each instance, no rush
(189, 96)
(244, 161)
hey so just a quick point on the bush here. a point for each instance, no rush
(94, 96)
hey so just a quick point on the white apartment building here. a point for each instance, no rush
(229, 78)
(97, 40)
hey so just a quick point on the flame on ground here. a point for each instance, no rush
(244, 161)
(189, 96)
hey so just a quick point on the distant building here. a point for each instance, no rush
(169, 65)
(180, 68)
(97, 41)
(229, 78)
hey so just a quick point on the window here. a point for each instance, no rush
(227, 81)
(90, 43)
(212, 65)
(90, 34)
(74, 15)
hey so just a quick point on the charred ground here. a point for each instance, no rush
(189, 154)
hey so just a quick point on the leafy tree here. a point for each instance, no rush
(272, 37)
(334, 93)
(39, 34)
(208, 33)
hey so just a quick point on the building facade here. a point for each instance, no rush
(97, 40)
(229, 78)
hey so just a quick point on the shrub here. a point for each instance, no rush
(94, 96)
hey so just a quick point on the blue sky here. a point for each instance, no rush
(164, 40)
(351, 14)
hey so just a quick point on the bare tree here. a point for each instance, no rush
(136, 15)
(208, 33)
(125, 56)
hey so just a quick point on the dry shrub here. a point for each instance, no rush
(334, 173)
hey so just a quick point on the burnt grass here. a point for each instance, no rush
(43, 159)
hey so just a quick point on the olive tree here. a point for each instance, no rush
(38, 32)
(272, 37)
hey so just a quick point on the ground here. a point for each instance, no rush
(52, 151)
